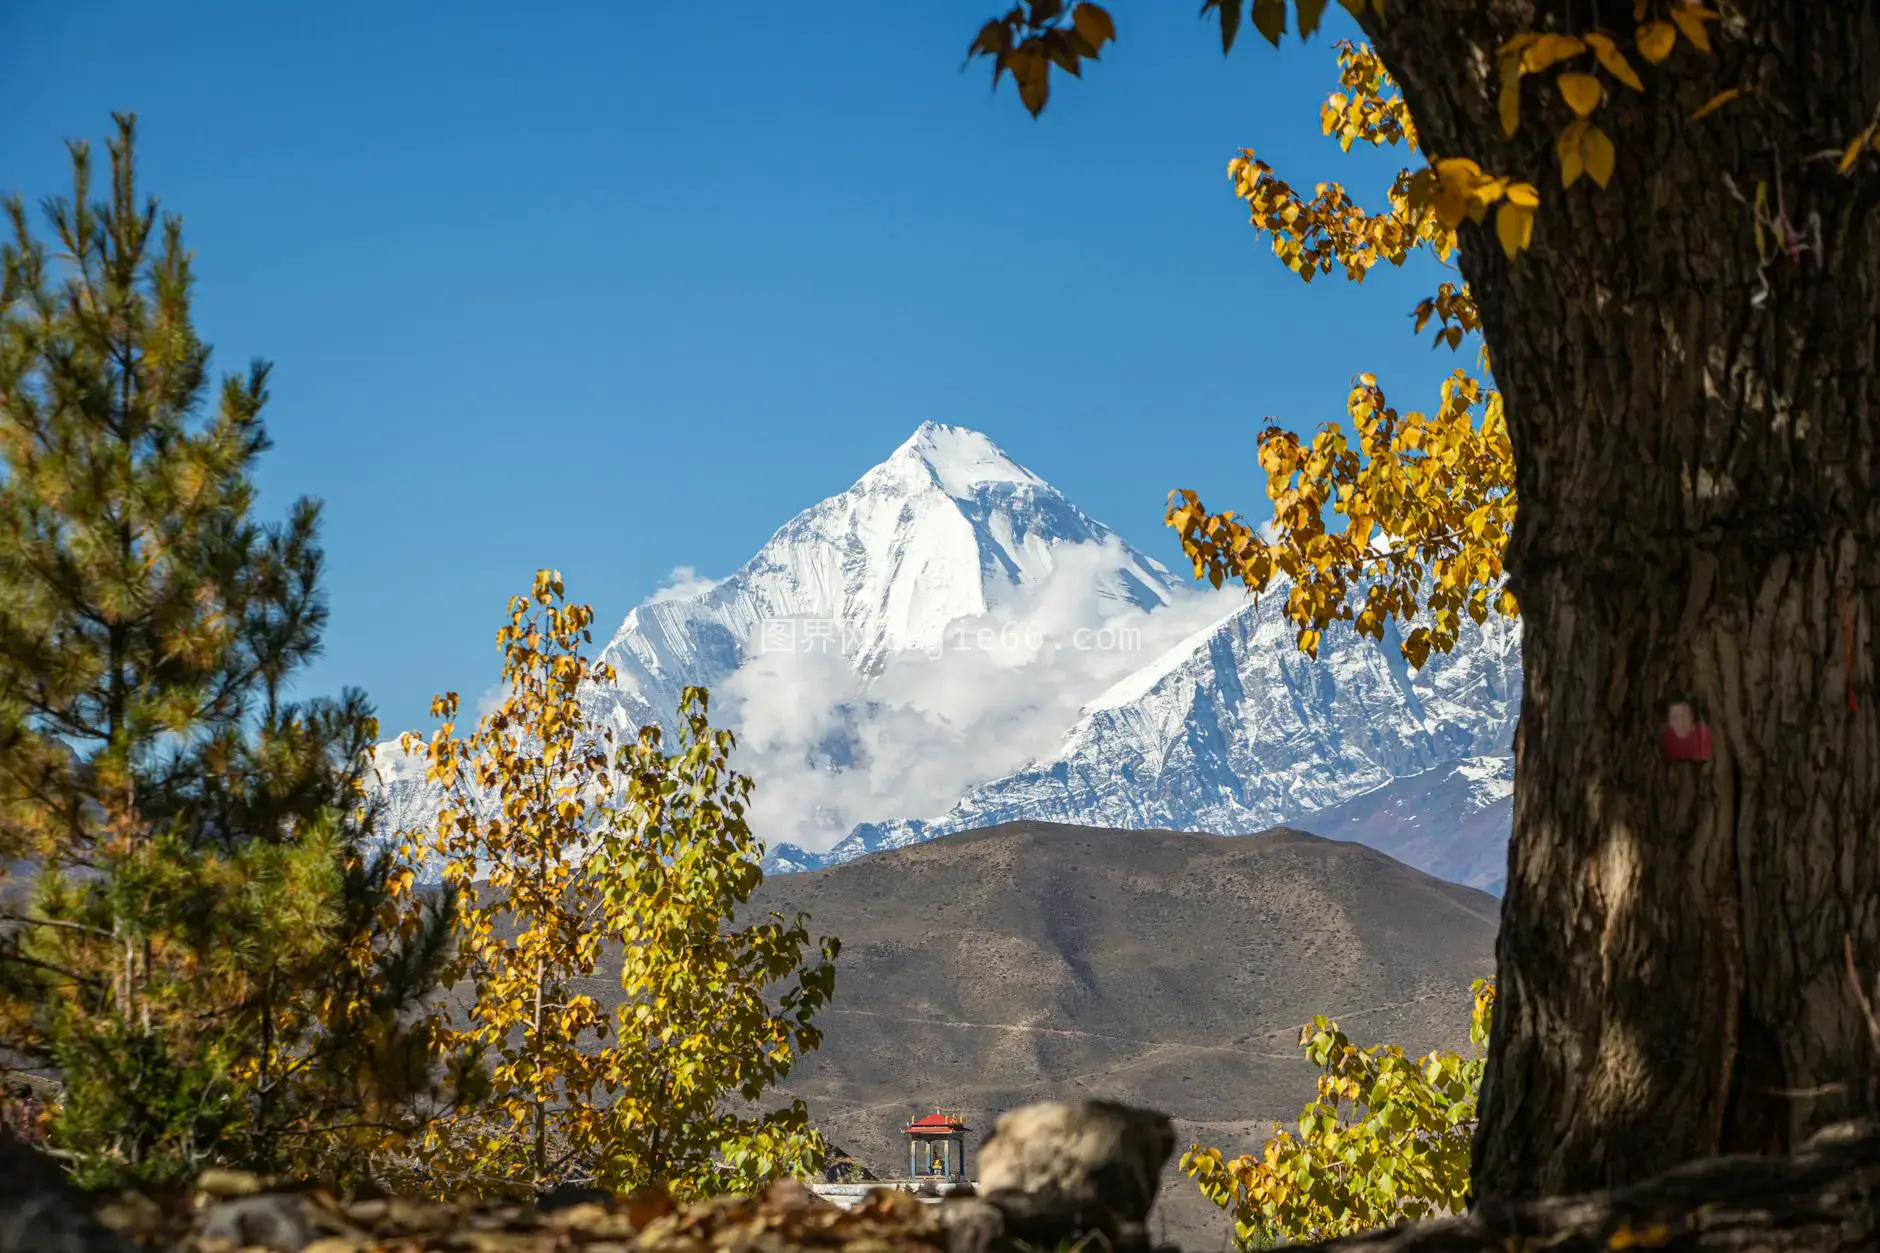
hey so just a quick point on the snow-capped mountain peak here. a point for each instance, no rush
(948, 527)
(955, 459)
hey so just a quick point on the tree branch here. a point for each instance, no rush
(34, 962)
(56, 922)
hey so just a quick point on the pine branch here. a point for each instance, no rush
(56, 922)
(35, 963)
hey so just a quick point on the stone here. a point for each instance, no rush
(568, 1195)
(222, 1184)
(1080, 1155)
(270, 1220)
(40, 1212)
(972, 1224)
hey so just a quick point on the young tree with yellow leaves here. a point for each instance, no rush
(1386, 1141)
(1678, 291)
(522, 792)
(697, 979)
(567, 853)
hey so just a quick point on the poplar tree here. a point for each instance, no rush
(569, 851)
(1665, 224)
(216, 966)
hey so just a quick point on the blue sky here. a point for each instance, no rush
(619, 287)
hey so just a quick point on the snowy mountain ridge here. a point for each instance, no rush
(843, 653)
(1235, 731)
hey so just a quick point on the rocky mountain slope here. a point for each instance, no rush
(1033, 961)
(1234, 731)
(1451, 820)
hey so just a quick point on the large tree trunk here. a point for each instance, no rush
(1699, 513)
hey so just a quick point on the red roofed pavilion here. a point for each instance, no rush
(938, 1142)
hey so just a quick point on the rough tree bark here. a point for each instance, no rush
(1699, 513)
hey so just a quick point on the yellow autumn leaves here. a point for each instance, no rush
(1363, 110)
(1311, 236)
(1385, 1140)
(1582, 147)
(1427, 501)
(1030, 39)
(1455, 188)
(566, 852)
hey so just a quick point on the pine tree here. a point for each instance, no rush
(208, 954)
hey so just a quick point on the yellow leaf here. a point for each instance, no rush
(1628, 1237)
(1581, 92)
(1717, 101)
(1690, 19)
(1616, 65)
(1549, 49)
(1458, 169)
(1094, 24)
(1514, 227)
(1596, 148)
(1853, 150)
(1567, 147)
(1487, 192)
(1510, 95)
(1453, 195)
(1655, 40)
(1033, 75)
(1526, 195)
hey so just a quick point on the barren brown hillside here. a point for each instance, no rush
(983, 970)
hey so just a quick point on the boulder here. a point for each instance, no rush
(1082, 1153)
(40, 1212)
(1059, 1172)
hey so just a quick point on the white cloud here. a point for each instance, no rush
(684, 582)
(828, 748)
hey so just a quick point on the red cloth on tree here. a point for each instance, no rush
(1692, 747)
